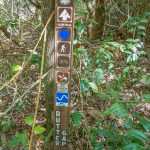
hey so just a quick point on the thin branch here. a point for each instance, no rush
(8, 35)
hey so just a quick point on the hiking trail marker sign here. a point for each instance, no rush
(64, 27)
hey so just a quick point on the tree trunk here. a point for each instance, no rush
(99, 17)
(48, 7)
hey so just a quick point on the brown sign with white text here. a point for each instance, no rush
(64, 26)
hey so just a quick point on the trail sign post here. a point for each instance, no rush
(64, 24)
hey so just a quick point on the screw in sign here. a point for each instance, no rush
(65, 2)
(64, 14)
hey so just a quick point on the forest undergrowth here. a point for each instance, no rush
(110, 91)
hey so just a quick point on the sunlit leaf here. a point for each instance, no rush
(94, 87)
(131, 30)
(29, 120)
(146, 13)
(39, 129)
(16, 68)
(144, 20)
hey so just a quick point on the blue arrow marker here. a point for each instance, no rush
(64, 34)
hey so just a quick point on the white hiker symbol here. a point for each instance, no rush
(63, 48)
(65, 15)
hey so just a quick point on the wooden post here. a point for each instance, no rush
(64, 24)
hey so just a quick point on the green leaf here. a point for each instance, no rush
(110, 66)
(114, 108)
(128, 123)
(133, 47)
(132, 22)
(127, 52)
(133, 146)
(80, 28)
(142, 33)
(146, 124)
(35, 58)
(17, 139)
(129, 58)
(137, 134)
(99, 74)
(131, 30)
(99, 146)
(133, 40)
(24, 140)
(13, 142)
(115, 44)
(147, 98)
(76, 118)
(84, 85)
(109, 135)
(122, 113)
(93, 86)
(29, 120)
(81, 51)
(146, 79)
(6, 125)
(135, 57)
(146, 13)
(143, 20)
(114, 94)
(103, 96)
(20, 105)
(139, 45)
(39, 129)
(16, 68)
(142, 27)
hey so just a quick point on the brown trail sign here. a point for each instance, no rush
(64, 26)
